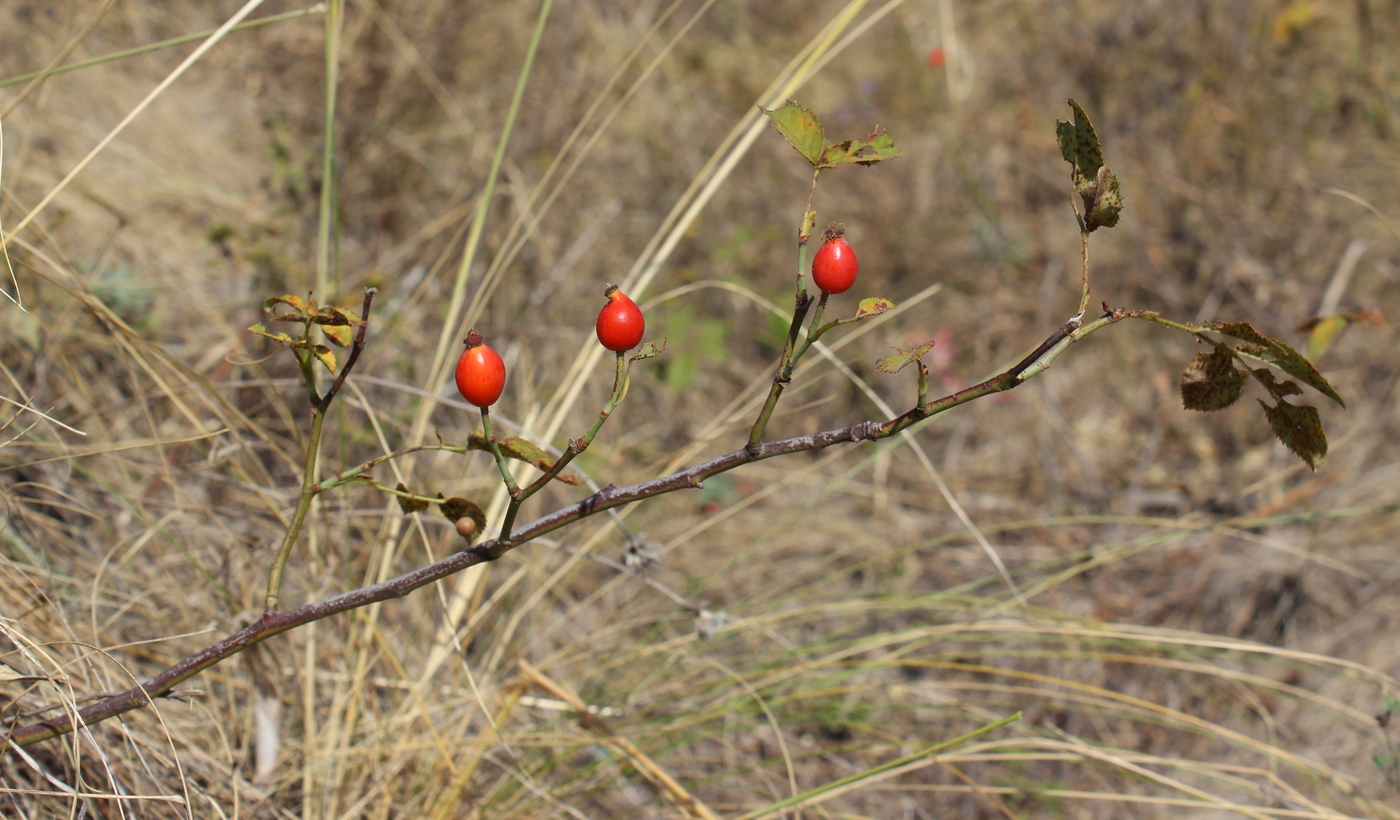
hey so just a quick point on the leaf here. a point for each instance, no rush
(295, 302)
(1107, 202)
(1079, 145)
(409, 505)
(878, 147)
(1299, 427)
(1324, 330)
(457, 508)
(287, 317)
(649, 350)
(1324, 333)
(873, 306)
(341, 335)
(901, 358)
(801, 128)
(280, 338)
(1212, 382)
(521, 450)
(1276, 389)
(1278, 354)
(325, 355)
(332, 315)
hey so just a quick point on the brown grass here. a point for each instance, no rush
(1210, 628)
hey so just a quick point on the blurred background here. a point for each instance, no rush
(1199, 625)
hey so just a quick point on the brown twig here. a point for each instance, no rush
(275, 622)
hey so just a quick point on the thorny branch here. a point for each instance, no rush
(274, 622)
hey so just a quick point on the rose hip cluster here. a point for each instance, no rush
(481, 375)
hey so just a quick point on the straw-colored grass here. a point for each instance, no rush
(1204, 628)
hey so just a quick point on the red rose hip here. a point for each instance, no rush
(481, 375)
(620, 323)
(834, 267)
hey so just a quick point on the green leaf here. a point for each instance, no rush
(325, 355)
(1079, 145)
(873, 306)
(801, 128)
(649, 350)
(1382, 760)
(295, 302)
(875, 148)
(1278, 354)
(1299, 427)
(341, 335)
(902, 358)
(1212, 382)
(280, 338)
(409, 505)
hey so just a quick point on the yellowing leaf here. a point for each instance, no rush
(801, 128)
(902, 358)
(873, 306)
(341, 335)
(280, 338)
(325, 356)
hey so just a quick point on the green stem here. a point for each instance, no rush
(308, 492)
(319, 8)
(621, 381)
(791, 354)
(506, 476)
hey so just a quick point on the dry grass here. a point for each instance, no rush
(1209, 629)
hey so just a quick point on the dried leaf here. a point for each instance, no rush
(409, 505)
(455, 509)
(1299, 427)
(1279, 355)
(801, 128)
(1212, 382)
(521, 450)
(902, 358)
(1276, 388)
